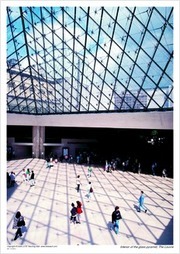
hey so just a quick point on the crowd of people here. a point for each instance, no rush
(76, 210)
(129, 163)
(27, 176)
(75, 216)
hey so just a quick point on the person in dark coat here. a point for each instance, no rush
(8, 180)
(116, 217)
(17, 224)
(32, 179)
(73, 213)
(13, 177)
(78, 182)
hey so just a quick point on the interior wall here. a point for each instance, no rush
(135, 120)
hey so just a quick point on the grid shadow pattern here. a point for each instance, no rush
(46, 206)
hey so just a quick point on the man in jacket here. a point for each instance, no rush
(116, 216)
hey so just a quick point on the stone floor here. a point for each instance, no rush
(46, 207)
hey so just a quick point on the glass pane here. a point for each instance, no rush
(73, 59)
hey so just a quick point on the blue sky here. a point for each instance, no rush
(105, 58)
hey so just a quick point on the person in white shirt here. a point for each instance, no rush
(89, 191)
(78, 182)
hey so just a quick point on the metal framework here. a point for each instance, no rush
(89, 59)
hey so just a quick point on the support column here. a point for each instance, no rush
(38, 141)
(41, 142)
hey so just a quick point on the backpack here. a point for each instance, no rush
(91, 189)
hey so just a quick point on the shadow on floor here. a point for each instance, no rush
(166, 237)
(11, 190)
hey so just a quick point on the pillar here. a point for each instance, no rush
(41, 142)
(38, 142)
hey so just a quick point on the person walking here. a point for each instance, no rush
(88, 159)
(78, 182)
(116, 217)
(139, 168)
(32, 179)
(79, 211)
(17, 224)
(153, 168)
(106, 166)
(28, 174)
(89, 171)
(48, 163)
(89, 191)
(164, 173)
(73, 213)
(141, 203)
(24, 176)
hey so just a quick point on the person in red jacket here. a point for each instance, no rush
(79, 211)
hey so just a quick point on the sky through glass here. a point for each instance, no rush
(89, 59)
